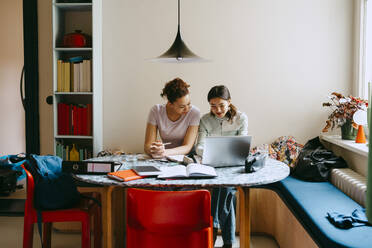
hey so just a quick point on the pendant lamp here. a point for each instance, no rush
(179, 52)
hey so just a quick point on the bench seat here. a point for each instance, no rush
(310, 202)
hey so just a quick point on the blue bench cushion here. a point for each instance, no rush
(310, 202)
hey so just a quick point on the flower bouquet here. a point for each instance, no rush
(343, 111)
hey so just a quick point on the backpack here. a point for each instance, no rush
(53, 188)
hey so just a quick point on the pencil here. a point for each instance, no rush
(164, 144)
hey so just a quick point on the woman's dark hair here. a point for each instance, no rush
(221, 91)
(175, 89)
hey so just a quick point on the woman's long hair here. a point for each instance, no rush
(221, 91)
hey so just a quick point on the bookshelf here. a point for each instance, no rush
(77, 78)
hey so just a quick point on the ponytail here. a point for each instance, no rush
(231, 113)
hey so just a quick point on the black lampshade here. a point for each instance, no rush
(179, 52)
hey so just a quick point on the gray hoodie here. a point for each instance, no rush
(210, 125)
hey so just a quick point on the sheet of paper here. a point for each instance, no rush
(176, 158)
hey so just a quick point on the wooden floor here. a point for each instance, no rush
(11, 232)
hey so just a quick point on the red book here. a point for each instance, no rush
(77, 116)
(75, 120)
(63, 119)
(89, 119)
(84, 120)
(124, 175)
(60, 119)
(80, 121)
(69, 118)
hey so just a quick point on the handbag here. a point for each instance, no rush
(315, 162)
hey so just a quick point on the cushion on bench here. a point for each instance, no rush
(310, 202)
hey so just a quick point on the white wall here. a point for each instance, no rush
(280, 59)
(12, 115)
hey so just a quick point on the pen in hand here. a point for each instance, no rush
(164, 144)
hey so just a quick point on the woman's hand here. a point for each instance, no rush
(157, 149)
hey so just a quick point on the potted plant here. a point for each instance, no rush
(343, 109)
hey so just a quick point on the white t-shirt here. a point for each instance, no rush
(173, 131)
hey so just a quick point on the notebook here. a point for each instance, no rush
(189, 171)
(124, 175)
(225, 151)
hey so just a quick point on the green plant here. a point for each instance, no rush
(343, 110)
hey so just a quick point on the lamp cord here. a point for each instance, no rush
(178, 14)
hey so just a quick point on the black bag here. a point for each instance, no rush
(8, 181)
(53, 188)
(315, 162)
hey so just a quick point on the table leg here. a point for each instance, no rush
(118, 212)
(245, 214)
(107, 217)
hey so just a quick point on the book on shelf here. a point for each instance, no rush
(67, 79)
(190, 171)
(74, 76)
(74, 119)
(59, 75)
(64, 151)
(124, 175)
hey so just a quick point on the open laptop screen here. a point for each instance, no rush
(226, 150)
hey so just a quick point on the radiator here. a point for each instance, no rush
(351, 183)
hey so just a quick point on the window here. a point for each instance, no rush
(363, 48)
(368, 48)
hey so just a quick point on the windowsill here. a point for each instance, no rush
(350, 145)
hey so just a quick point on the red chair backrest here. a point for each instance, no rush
(30, 191)
(169, 211)
(164, 219)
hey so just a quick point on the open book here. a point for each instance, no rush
(189, 171)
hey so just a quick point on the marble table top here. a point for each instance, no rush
(273, 171)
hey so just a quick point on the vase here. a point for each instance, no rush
(348, 132)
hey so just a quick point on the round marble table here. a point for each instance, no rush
(273, 171)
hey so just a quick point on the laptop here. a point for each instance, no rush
(226, 151)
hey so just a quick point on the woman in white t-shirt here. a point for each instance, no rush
(177, 122)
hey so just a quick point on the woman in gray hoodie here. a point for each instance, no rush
(223, 120)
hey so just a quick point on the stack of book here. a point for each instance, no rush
(64, 152)
(74, 77)
(74, 119)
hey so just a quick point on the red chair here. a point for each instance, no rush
(81, 213)
(164, 219)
